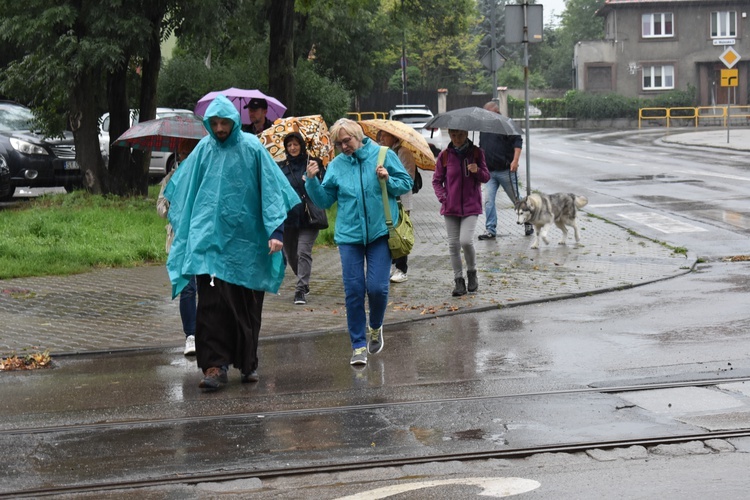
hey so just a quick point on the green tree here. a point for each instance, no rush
(79, 54)
(67, 48)
(577, 22)
(437, 40)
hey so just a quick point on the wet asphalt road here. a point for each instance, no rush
(464, 383)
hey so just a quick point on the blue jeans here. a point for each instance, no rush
(509, 181)
(188, 307)
(359, 282)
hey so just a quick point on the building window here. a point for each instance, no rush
(657, 25)
(723, 24)
(658, 77)
(599, 78)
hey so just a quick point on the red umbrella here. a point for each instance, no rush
(162, 134)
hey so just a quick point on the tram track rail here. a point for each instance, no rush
(352, 465)
(512, 453)
(332, 409)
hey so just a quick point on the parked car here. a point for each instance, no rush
(31, 159)
(416, 116)
(6, 188)
(161, 162)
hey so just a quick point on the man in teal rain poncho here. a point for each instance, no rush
(228, 202)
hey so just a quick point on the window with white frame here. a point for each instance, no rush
(658, 77)
(723, 24)
(656, 25)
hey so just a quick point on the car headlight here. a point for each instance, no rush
(26, 147)
(4, 168)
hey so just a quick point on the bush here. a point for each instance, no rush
(318, 95)
(516, 107)
(551, 108)
(594, 106)
(185, 79)
(673, 99)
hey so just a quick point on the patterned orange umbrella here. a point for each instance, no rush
(410, 139)
(313, 130)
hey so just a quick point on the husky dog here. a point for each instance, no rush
(541, 210)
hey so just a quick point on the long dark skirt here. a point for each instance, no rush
(227, 325)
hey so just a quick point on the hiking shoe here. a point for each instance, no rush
(299, 298)
(460, 288)
(487, 236)
(359, 356)
(472, 284)
(190, 345)
(213, 378)
(528, 229)
(250, 377)
(399, 276)
(375, 342)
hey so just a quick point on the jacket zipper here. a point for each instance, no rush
(364, 199)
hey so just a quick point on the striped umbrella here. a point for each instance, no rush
(162, 134)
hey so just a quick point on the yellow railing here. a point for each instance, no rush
(653, 114)
(695, 114)
(367, 115)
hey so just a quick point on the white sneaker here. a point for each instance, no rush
(399, 276)
(190, 345)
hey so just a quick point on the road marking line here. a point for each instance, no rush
(611, 205)
(497, 487)
(662, 223)
(712, 174)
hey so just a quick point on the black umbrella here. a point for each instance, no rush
(475, 119)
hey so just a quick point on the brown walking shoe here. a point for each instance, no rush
(213, 378)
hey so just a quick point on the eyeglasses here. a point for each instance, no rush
(344, 141)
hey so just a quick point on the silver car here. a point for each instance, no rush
(161, 162)
(416, 116)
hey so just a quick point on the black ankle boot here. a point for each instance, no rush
(473, 283)
(460, 287)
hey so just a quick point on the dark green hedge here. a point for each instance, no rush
(596, 106)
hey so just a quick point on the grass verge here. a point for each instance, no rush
(64, 234)
(70, 233)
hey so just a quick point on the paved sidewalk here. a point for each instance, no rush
(115, 309)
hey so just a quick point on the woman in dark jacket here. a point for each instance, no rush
(299, 233)
(460, 171)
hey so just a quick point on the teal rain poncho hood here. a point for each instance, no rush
(225, 201)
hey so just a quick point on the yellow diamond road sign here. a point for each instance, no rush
(729, 57)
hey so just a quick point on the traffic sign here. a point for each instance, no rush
(729, 57)
(493, 60)
(729, 77)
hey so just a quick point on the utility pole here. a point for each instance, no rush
(493, 34)
(404, 80)
(524, 24)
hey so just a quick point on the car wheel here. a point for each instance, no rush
(9, 196)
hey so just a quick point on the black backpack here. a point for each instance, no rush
(417, 183)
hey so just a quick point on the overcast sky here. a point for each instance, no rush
(552, 9)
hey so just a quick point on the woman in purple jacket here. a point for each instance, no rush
(459, 174)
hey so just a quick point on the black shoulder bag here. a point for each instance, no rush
(316, 216)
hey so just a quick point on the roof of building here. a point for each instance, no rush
(612, 4)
